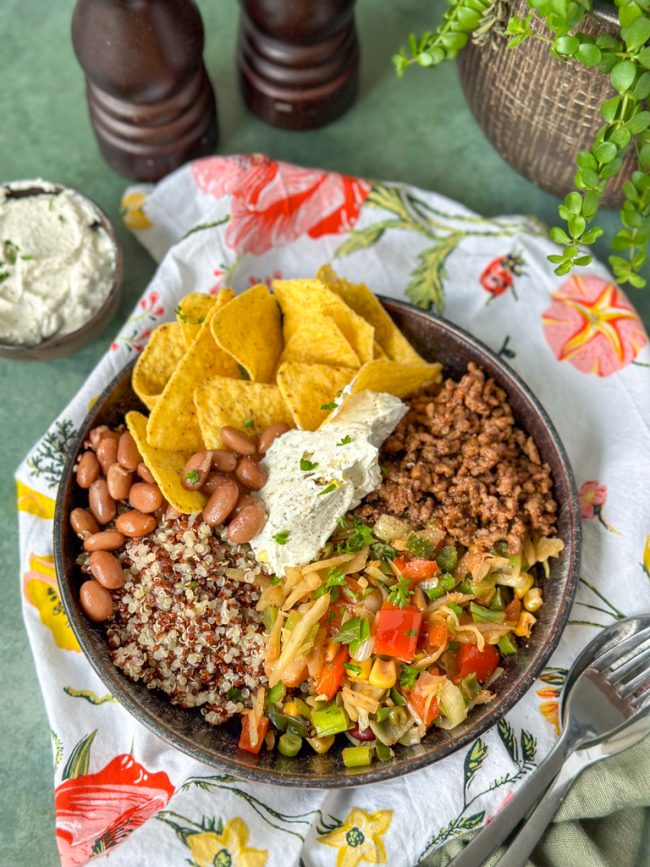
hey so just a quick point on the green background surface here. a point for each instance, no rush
(417, 130)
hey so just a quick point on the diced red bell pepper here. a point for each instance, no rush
(471, 660)
(332, 675)
(420, 699)
(437, 634)
(245, 737)
(417, 569)
(396, 632)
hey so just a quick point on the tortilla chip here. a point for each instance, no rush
(173, 424)
(249, 406)
(378, 351)
(166, 468)
(249, 329)
(392, 377)
(297, 296)
(157, 362)
(362, 301)
(319, 340)
(193, 309)
(307, 388)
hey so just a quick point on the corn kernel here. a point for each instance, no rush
(533, 599)
(525, 624)
(321, 745)
(383, 673)
(364, 669)
(290, 708)
(520, 592)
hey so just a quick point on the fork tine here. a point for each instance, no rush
(640, 703)
(620, 673)
(631, 686)
(623, 650)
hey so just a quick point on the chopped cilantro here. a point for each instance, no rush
(411, 632)
(276, 580)
(243, 373)
(182, 316)
(353, 633)
(399, 594)
(382, 551)
(335, 578)
(281, 538)
(4, 276)
(26, 258)
(350, 594)
(193, 585)
(200, 320)
(326, 407)
(248, 422)
(355, 669)
(10, 251)
(234, 694)
(307, 466)
(192, 477)
(419, 547)
(328, 490)
(61, 218)
(361, 537)
(345, 441)
(408, 675)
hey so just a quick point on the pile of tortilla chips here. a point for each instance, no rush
(261, 357)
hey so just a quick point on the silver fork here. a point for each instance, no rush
(602, 698)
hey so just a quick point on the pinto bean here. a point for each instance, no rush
(251, 474)
(237, 440)
(83, 523)
(105, 540)
(171, 513)
(145, 474)
(88, 470)
(135, 523)
(224, 460)
(212, 483)
(119, 481)
(100, 502)
(270, 434)
(196, 470)
(127, 452)
(247, 524)
(97, 434)
(221, 503)
(107, 569)
(96, 601)
(107, 453)
(145, 498)
(243, 501)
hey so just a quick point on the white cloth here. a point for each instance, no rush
(579, 345)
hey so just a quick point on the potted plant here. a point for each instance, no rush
(574, 92)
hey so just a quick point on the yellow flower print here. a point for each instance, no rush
(227, 849)
(31, 501)
(550, 709)
(42, 591)
(360, 838)
(646, 556)
(133, 217)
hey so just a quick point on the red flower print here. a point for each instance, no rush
(274, 202)
(593, 496)
(592, 325)
(97, 811)
(499, 276)
(150, 304)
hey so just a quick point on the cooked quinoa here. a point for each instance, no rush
(459, 459)
(185, 620)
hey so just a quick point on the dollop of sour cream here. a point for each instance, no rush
(316, 477)
(57, 263)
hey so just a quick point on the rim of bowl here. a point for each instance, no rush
(54, 346)
(376, 772)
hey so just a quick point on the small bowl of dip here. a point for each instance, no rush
(60, 270)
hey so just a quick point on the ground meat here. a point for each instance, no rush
(458, 458)
(185, 620)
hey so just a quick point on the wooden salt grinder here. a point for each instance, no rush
(151, 103)
(298, 60)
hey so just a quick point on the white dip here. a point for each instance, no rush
(340, 465)
(57, 264)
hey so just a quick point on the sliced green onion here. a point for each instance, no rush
(456, 609)
(434, 592)
(384, 753)
(480, 614)
(397, 697)
(447, 581)
(275, 694)
(507, 644)
(279, 720)
(465, 587)
(331, 720)
(447, 558)
(289, 744)
(356, 757)
(470, 687)
(419, 547)
(382, 713)
(498, 602)
(298, 726)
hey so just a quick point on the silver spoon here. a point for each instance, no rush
(593, 709)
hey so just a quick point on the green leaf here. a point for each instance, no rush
(606, 152)
(573, 203)
(627, 13)
(425, 288)
(588, 54)
(507, 736)
(644, 58)
(582, 260)
(642, 87)
(361, 239)
(609, 109)
(471, 822)
(623, 75)
(577, 225)
(79, 761)
(591, 236)
(468, 18)
(590, 204)
(474, 759)
(454, 41)
(637, 34)
(424, 59)
(620, 136)
(567, 45)
(559, 236)
(639, 122)
(528, 746)
(586, 160)
(562, 269)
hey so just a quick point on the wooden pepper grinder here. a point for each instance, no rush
(298, 60)
(151, 103)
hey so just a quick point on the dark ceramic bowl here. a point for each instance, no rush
(217, 746)
(60, 345)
